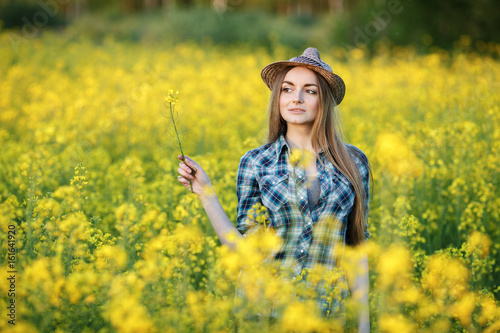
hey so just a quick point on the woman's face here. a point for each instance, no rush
(299, 98)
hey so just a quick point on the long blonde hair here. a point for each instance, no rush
(327, 135)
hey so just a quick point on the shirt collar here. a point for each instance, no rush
(281, 143)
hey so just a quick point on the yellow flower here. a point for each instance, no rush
(301, 156)
(395, 324)
(440, 325)
(110, 257)
(489, 310)
(64, 192)
(195, 302)
(396, 155)
(300, 317)
(410, 294)
(425, 121)
(480, 243)
(172, 96)
(128, 315)
(463, 308)
(393, 266)
(180, 213)
(445, 276)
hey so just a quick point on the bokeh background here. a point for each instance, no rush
(107, 240)
(424, 25)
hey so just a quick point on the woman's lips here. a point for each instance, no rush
(296, 110)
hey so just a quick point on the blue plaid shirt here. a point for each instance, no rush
(310, 237)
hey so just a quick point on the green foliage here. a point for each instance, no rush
(15, 14)
(295, 24)
(203, 25)
(424, 24)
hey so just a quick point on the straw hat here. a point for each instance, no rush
(309, 59)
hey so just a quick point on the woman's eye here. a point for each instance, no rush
(311, 91)
(287, 89)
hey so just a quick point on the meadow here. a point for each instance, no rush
(107, 240)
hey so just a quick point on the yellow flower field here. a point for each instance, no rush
(102, 238)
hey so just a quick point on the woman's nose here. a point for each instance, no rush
(297, 98)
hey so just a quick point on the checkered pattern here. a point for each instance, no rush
(311, 239)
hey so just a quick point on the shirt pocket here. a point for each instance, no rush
(274, 190)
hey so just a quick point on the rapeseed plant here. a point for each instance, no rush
(170, 100)
(116, 233)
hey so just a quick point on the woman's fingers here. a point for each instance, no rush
(184, 182)
(185, 167)
(189, 162)
(184, 173)
(197, 182)
(190, 170)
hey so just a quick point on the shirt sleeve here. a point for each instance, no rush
(247, 190)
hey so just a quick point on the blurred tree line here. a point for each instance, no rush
(346, 22)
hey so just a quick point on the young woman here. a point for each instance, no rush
(333, 186)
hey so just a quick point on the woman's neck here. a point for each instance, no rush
(300, 137)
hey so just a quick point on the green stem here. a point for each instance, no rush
(171, 108)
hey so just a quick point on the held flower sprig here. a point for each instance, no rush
(170, 101)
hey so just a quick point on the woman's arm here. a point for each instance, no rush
(358, 281)
(202, 187)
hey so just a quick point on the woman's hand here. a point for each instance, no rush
(202, 187)
(199, 178)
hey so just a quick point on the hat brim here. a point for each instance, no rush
(271, 71)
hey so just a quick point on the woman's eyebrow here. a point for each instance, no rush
(305, 85)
